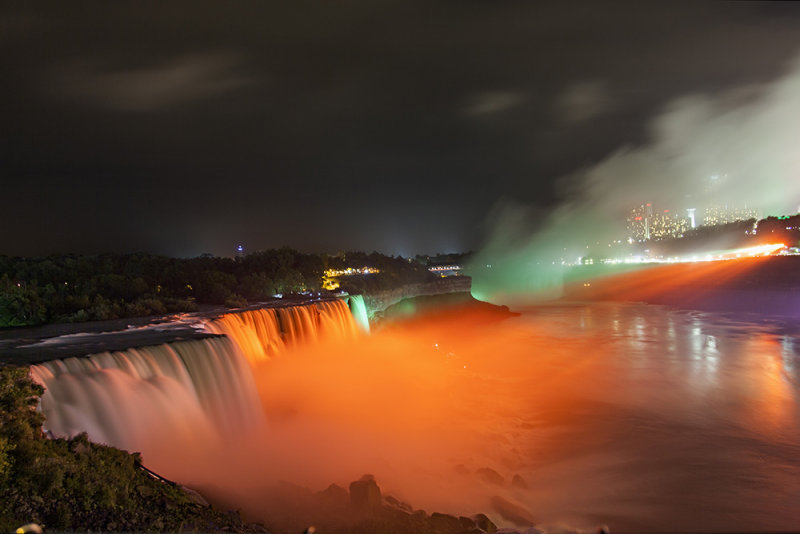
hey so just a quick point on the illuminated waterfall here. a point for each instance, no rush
(200, 388)
(265, 333)
(199, 411)
(256, 332)
(359, 311)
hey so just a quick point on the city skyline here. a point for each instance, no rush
(651, 221)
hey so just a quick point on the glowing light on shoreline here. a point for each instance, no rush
(759, 250)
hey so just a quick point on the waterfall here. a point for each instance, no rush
(359, 311)
(195, 409)
(265, 333)
(203, 387)
(256, 332)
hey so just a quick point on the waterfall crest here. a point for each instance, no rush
(265, 333)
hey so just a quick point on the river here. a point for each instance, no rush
(653, 419)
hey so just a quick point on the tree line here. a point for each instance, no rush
(76, 288)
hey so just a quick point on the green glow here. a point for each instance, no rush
(359, 311)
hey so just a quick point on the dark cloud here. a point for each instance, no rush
(492, 102)
(583, 101)
(175, 82)
(187, 127)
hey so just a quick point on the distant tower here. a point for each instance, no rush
(691, 211)
(239, 251)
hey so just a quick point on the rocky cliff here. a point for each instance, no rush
(380, 300)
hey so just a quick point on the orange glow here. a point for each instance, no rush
(685, 282)
(772, 405)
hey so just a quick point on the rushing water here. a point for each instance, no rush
(637, 416)
(654, 419)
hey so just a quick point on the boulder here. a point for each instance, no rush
(333, 498)
(194, 496)
(365, 495)
(398, 504)
(445, 524)
(513, 512)
(519, 482)
(490, 476)
(484, 523)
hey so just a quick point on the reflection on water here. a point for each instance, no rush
(668, 421)
(637, 416)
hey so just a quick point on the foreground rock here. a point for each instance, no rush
(370, 513)
(364, 509)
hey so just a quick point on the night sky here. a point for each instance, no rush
(186, 128)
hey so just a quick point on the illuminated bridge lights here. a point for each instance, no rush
(441, 268)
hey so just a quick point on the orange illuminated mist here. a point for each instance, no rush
(422, 407)
(686, 282)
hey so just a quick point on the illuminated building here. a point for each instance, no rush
(351, 271)
(716, 214)
(645, 222)
(330, 279)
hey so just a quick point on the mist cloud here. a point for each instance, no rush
(737, 148)
(583, 101)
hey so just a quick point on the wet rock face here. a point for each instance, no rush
(519, 482)
(365, 495)
(513, 512)
(446, 524)
(334, 499)
(377, 301)
(484, 523)
(398, 505)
